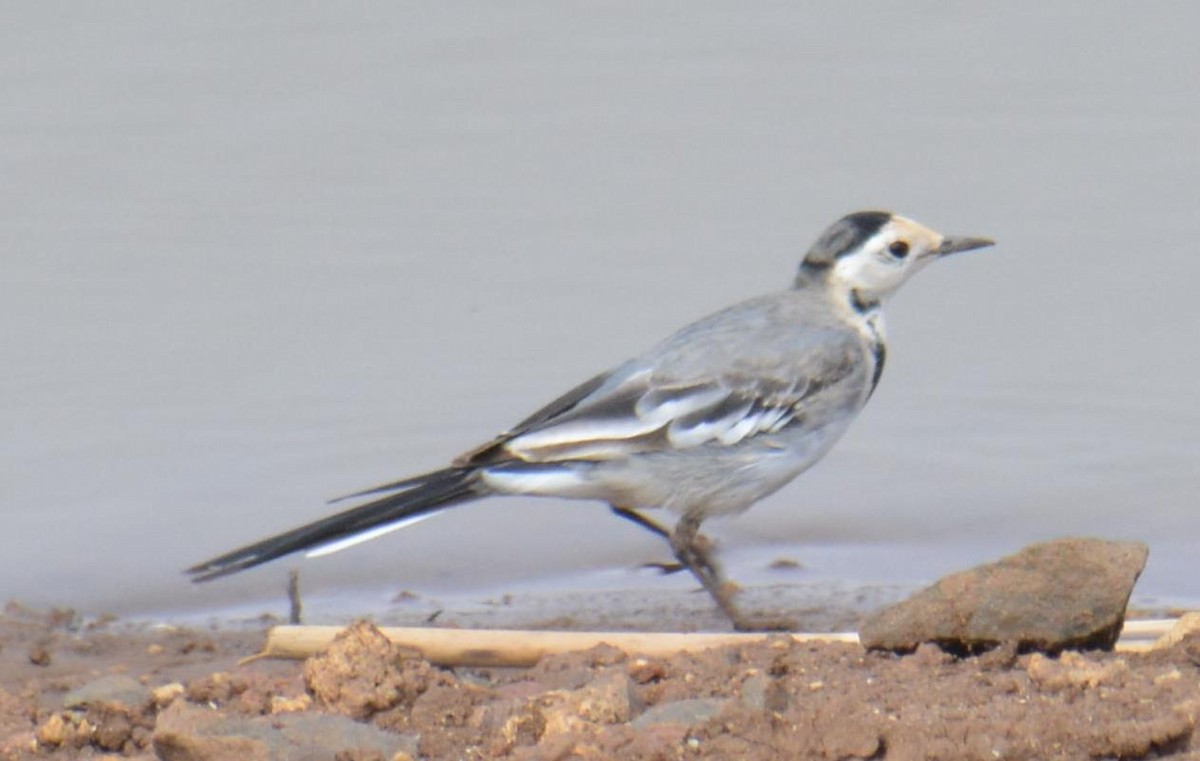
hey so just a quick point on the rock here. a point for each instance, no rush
(1073, 670)
(760, 692)
(1188, 625)
(1068, 593)
(285, 704)
(117, 688)
(114, 713)
(65, 729)
(112, 724)
(54, 731)
(118, 707)
(572, 670)
(165, 695)
(362, 673)
(647, 670)
(686, 712)
(170, 746)
(189, 733)
(39, 655)
(606, 700)
(506, 724)
(753, 692)
(217, 689)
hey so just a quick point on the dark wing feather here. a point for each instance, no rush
(493, 450)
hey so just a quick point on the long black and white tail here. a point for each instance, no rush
(414, 499)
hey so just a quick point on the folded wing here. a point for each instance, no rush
(655, 404)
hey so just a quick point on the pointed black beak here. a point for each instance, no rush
(952, 245)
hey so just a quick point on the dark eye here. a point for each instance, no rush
(899, 249)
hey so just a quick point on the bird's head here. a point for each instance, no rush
(872, 253)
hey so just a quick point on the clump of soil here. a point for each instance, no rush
(365, 698)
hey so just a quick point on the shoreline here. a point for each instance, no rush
(72, 688)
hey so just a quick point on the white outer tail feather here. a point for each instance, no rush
(346, 542)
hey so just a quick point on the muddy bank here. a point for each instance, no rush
(180, 694)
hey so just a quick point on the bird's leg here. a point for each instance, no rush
(649, 524)
(701, 543)
(653, 526)
(694, 552)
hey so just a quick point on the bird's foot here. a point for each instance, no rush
(665, 568)
(695, 552)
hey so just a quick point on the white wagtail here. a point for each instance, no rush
(707, 422)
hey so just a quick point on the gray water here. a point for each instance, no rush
(259, 255)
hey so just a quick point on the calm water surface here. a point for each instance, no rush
(258, 256)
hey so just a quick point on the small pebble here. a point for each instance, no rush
(53, 732)
(165, 695)
(39, 655)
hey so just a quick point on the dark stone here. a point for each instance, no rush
(189, 733)
(114, 688)
(1067, 593)
(686, 712)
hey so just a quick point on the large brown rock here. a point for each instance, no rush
(1067, 593)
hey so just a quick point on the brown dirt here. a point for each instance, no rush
(775, 700)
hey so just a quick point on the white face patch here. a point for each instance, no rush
(874, 270)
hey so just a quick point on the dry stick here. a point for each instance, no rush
(506, 647)
(1157, 633)
(295, 606)
(1147, 628)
